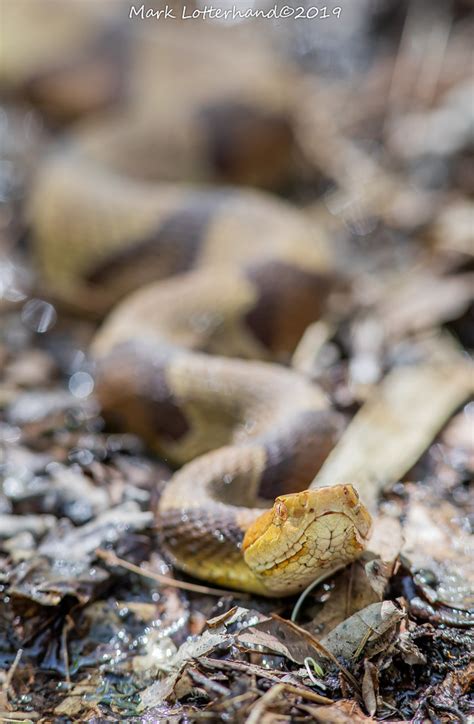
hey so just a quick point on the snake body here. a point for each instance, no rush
(214, 284)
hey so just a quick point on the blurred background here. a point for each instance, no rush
(361, 112)
(360, 115)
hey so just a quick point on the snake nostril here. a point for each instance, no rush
(281, 510)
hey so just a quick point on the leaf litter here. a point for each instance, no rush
(94, 623)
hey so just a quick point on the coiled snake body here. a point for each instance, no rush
(247, 275)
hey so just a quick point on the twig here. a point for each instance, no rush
(112, 560)
(431, 703)
(311, 587)
(349, 590)
(255, 669)
(259, 709)
(11, 671)
(68, 625)
(208, 683)
(365, 638)
(363, 641)
(228, 703)
(263, 703)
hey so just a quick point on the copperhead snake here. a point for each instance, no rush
(210, 284)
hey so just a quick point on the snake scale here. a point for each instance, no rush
(139, 207)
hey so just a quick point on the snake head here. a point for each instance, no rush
(305, 535)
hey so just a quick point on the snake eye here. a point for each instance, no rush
(281, 510)
(352, 496)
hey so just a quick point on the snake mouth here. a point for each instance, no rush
(305, 534)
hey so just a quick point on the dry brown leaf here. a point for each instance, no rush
(370, 687)
(273, 635)
(367, 631)
(352, 592)
(341, 712)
